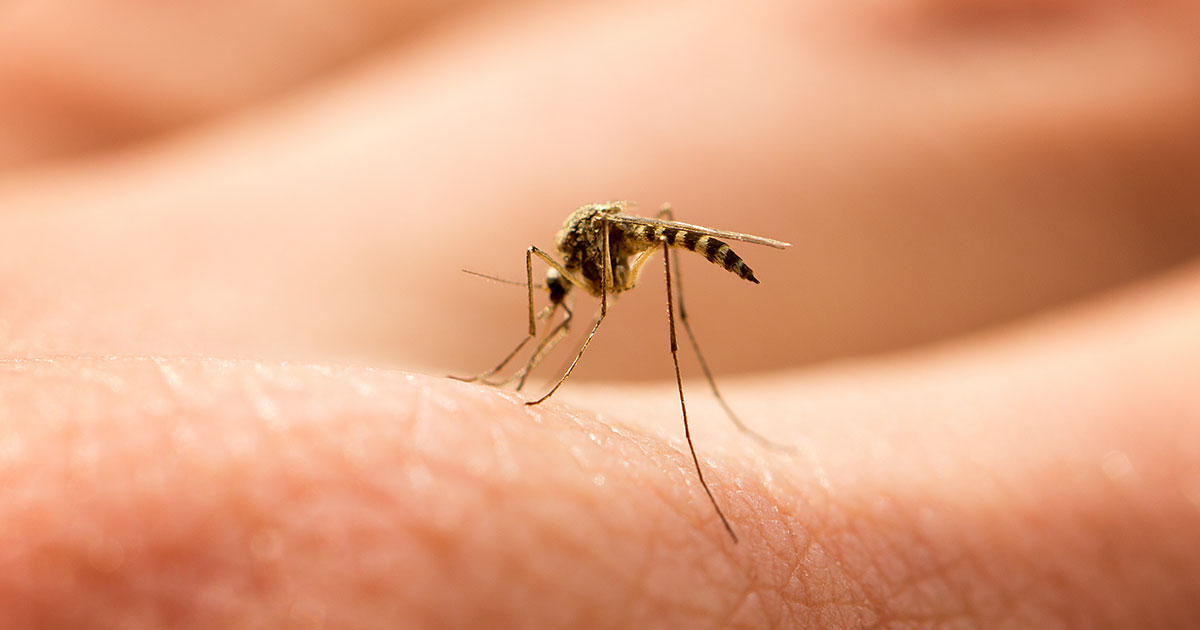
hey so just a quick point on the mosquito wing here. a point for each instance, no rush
(679, 225)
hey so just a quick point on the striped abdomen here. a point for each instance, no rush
(715, 250)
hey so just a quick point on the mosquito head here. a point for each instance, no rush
(557, 285)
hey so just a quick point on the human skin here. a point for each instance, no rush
(222, 401)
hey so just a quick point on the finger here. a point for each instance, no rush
(1045, 480)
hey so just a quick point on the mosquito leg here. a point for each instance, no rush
(573, 363)
(549, 313)
(545, 347)
(483, 376)
(567, 362)
(530, 252)
(687, 432)
(665, 212)
(605, 273)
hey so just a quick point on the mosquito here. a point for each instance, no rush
(604, 251)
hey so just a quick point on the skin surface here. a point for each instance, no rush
(228, 303)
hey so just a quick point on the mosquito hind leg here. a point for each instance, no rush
(665, 213)
(687, 431)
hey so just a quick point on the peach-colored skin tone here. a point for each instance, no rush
(229, 253)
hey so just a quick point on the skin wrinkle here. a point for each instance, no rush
(942, 575)
(932, 577)
(786, 589)
(821, 530)
(795, 583)
(833, 577)
(875, 590)
(793, 592)
(971, 591)
(907, 577)
(909, 574)
(893, 585)
(769, 586)
(753, 590)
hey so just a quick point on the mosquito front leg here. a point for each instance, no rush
(665, 213)
(545, 347)
(605, 273)
(687, 432)
(549, 260)
(483, 377)
(549, 340)
(554, 335)
(529, 254)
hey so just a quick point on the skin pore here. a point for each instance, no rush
(224, 327)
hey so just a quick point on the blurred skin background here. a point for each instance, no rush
(229, 234)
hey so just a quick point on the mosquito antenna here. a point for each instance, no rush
(499, 280)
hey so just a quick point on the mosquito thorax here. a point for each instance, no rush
(581, 241)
